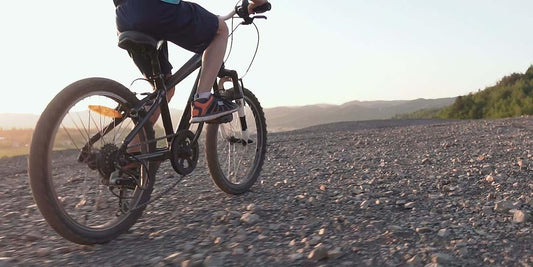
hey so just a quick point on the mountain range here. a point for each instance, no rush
(290, 118)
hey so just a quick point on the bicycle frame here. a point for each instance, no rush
(158, 99)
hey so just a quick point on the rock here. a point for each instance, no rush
(251, 207)
(318, 253)
(155, 260)
(274, 227)
(358, 189)
(413, 261)
(335, 253)
(64, 250)
(520, 216)
(175, 258)
(238, 251)
(43, 252)
(369, 262)
(489, 178)
(33, 236)
(295, 256)
(409, 205)
(423, 230)
(192, 263)
(214, 261)
(442, 258)
(443, 233)
(314, 240)
(250, 218)
(503, 206)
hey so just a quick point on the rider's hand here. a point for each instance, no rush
(255, 3)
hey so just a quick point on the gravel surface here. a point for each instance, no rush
(437, 193)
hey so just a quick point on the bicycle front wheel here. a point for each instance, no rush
(235, 160)
(72, 189)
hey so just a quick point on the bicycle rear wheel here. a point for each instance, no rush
(235, 161)
(72, 190)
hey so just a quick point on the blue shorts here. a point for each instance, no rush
(186, 24)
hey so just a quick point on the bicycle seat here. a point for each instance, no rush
(134, 40)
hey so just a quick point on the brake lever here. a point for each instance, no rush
(250, 20)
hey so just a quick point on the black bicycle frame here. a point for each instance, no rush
(160, 101)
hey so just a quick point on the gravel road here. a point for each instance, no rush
(383, 193)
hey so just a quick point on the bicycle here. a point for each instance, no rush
(84, 159)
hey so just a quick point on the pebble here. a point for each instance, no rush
(213, 261)
(33, 236)
(250, 218)
(318, 253)
(443, 233)
(43, 252)
(335, 253)
(423, 230)
(520, 216)
(295, 256)
(503, 206)
(174, 258)
(442, 258)
(409, 205)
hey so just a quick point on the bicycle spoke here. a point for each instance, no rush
(70, 137)
(102, 139)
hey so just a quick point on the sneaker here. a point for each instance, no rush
(210, 109)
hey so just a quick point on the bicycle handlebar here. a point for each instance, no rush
(242, 12)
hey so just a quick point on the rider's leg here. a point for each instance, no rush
(153, 119)
(212, 58)
(208, 107)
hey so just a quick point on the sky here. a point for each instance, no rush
(310, 52)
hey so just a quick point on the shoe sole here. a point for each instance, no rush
(211, 117)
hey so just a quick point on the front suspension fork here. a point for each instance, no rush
(238, 94)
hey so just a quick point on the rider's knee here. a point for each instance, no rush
(222, 28)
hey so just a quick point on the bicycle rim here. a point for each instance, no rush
(81, 192)
(235, 160)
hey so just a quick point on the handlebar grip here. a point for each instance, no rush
(263, 8)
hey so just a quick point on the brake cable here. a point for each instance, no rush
(231, 44)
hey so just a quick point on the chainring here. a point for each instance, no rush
(184, 152)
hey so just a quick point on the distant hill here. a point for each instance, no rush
(512, 96)
(290, 118)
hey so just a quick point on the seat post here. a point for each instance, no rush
(157, 76)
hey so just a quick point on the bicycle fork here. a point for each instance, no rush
(238, 94)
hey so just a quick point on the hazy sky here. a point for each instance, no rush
(310, 51)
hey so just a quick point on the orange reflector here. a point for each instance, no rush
(105, 111)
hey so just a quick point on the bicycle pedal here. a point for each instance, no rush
(223, 119)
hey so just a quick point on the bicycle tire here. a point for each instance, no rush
(221, 151)
(43, 175)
